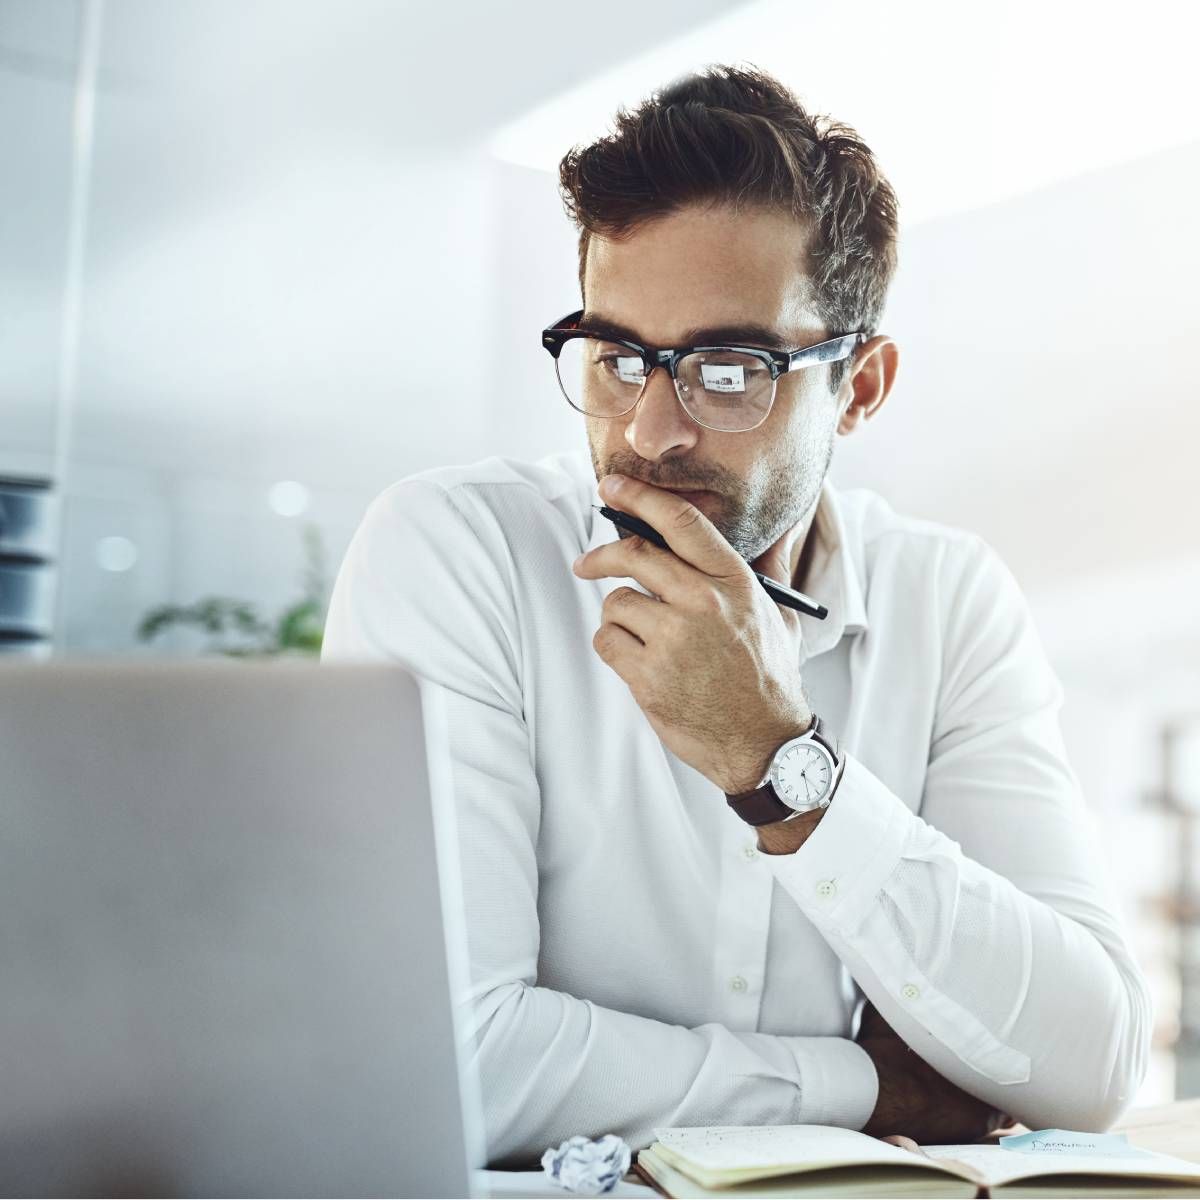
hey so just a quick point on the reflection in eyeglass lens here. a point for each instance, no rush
(720, 389)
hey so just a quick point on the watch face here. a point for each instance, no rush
(803, 775)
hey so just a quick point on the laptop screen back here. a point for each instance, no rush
(221, 934)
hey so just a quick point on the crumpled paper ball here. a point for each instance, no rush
(587, 1167)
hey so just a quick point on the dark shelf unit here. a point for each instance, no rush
(27, 510)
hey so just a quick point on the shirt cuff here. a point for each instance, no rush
(838, 1081)
(836, 876)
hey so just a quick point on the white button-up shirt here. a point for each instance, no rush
(635, 961)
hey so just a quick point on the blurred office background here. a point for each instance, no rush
(259, 259)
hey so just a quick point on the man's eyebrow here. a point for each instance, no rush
(742, 334)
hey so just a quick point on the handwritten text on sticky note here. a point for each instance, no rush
(1069, 1141)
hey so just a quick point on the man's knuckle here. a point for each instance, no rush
(619, 598)
(685, 517)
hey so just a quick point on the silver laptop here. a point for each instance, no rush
(223, 934)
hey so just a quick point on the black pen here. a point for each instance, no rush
(777, 591)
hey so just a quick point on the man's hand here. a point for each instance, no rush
(709, 657)
(914, 1100)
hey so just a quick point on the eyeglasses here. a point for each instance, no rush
(728, 388)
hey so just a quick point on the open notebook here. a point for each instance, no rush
(820, 1160)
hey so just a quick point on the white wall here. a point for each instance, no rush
(36, 68)
(1046, 396)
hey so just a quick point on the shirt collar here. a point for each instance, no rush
(833, 576)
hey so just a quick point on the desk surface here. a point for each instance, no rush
(1167, 1128)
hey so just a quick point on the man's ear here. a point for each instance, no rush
(869, 380)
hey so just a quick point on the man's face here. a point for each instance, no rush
(711, 269)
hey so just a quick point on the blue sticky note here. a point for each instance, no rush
(1069, 1141)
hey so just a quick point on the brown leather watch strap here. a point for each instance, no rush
(762, 805)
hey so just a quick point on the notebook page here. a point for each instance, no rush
(834, 1183)
(748, 1151)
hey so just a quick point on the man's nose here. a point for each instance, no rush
(659, 424)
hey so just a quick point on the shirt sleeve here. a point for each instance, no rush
(981, 929)
(418, 586)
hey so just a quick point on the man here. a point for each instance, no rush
(689, 903)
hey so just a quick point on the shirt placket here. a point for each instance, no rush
(742, 925)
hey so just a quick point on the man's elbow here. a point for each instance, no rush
(1086, 1110)
(513, 1026)
(1105, 1078)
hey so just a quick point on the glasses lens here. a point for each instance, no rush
(600, 378)
(725, 390)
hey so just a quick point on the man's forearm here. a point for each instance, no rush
(552, 1065)
(966, 966)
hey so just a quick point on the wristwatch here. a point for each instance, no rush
(802, 777)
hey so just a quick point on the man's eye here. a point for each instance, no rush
(623, 367)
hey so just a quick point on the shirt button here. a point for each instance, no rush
(750, 853)
(910, 991)
(738, 984)
(826, 889)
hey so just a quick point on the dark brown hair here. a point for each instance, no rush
(737, 136)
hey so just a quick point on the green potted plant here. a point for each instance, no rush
(236, 627)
